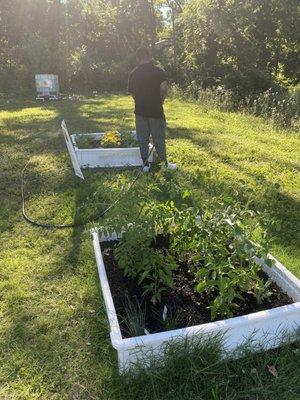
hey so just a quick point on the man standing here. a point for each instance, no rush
(148, 85)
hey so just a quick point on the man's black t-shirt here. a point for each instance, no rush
(144, 84)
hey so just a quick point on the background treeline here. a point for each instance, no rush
(245, 46)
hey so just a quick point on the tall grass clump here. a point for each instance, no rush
(197, 371)
(279, 107)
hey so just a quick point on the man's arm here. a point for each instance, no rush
(163, 90)
(130, 86)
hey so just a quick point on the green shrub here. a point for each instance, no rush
(297, 99)
(219, 249)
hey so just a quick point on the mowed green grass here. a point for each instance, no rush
(54, 337)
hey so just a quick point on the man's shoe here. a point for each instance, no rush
(170, 165)
(146, 168)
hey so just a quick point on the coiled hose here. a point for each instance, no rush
(73, 225)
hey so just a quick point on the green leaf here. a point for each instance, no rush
(144, 275)
(201, 286)
(186, 194)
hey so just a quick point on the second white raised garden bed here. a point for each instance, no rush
(98, 157)
(266, 329)
(103, 158)
(106, 158)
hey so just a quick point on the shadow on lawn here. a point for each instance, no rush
(17, 104)
(209, 141)
(40, 334)
(80, 116)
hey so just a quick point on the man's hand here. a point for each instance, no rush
(163, 90)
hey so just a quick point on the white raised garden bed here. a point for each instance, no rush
(100, 157)
(267, 329)
(115, 157)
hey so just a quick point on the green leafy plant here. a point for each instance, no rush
(261, 290)
(128, 139)
(217, 245)
(219, 249)
(138, 258)
(83, 142)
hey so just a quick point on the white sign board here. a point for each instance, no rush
(46, 83)
(71, 150)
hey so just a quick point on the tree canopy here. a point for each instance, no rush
(245, 45)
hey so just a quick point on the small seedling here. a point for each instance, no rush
(134, 318)
(83, 142)
(168, 318)
(128, 139)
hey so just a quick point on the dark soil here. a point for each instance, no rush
(189, 307)
(95, 144)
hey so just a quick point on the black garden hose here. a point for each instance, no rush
(32, 221)
(74, 225)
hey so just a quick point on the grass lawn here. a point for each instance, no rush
(54, 337)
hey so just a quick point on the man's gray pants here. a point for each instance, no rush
(156, 127)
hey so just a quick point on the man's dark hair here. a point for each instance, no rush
(143, 53)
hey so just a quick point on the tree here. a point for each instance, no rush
(246, 45)
(241, 44)
(89, 43)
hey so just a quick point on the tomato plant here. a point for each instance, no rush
(138, 259)
(219, 249)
